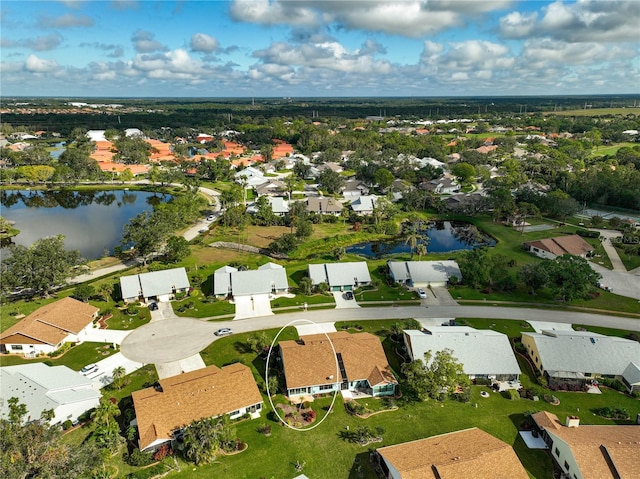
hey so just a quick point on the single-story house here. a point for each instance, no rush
(40, 388)
(576, 357)
(424, 273)
(364, 205)
(164, 409)
(550, 248)
(270, 278)
(359, 364)
(251, 176)
(49, 327)
(589, 452)
(470, 453)
(156, 285)
(340, 276)
(353, 189)
(279, 206)
(443, 185)
(271, 188)
(324, 206)
(631, 377)
(483, 353)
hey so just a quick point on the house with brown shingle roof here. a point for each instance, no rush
(550, 248)
(324, 205)
(173, 403)
(49, 327)
(470, 453)
(349, 362)
(590, 452)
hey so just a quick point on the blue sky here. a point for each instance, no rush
(293, 48)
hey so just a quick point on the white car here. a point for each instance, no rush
(223, 331)
(422, 293)
(89, 369)
(211, 217)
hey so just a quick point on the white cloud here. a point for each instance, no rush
(547, 51)
(65, 21)
(39, 44)
(201, 42)
(39, 65)
(144, 42)
(518, 25)
(410, 18)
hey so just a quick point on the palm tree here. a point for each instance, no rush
(338, 252)
(413, 234)
(118, 376)
(421, 250)
(105, 412)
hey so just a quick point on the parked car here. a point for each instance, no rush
(203, 230)
(211, 217)
(153, 306)
(348, 295)
(89, 369)
(422, 293)
(223, 332)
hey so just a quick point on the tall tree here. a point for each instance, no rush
(41, 267)
(435, 375)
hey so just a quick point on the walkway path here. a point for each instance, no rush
(180, 338)
(616, 262)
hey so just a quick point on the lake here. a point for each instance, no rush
(444, 236)
(91, 221)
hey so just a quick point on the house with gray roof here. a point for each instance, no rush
(577, 357)
(340, 276)
(270, 279)
(41, 388)
(155, 285)
(631, 377)
(324, 205)
(483, 353)
(424, 273)
(364, 205)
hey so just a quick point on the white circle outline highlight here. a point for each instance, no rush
(266, 377)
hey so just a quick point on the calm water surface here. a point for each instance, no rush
(91, 221)
(444, 236)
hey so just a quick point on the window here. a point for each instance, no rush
(326, 387)
(299, 391)
(566, 465)
(17, 347)
(557, 451)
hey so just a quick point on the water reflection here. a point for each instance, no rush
(91, 221)
(444, 236)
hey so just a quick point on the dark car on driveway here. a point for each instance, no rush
(153, 307)
(348, 295)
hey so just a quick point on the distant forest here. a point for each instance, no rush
(150, 114)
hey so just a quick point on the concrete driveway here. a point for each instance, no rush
(192, 363)
(164, 311)
(252, 306)
(621, 282)
(104, 375)
(113, 336)
(342, 302)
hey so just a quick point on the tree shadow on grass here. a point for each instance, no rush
(361, 467)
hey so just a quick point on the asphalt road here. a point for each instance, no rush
(176, 339)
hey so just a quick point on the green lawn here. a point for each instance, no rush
(76, 358)
(630, 261)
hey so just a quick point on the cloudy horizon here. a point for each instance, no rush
(309, 48)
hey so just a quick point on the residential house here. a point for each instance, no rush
(577, 357)
(41, 388)
(483, 353)
(251, 177)
(156, 285)
(279, 206)
(271, 188)
(424, 273)
(353, 189)
(350, 362)
(590, 452)
(550, 248)
(470, 453)
(443, 185)
(270, 278)
(163, 410)
(340, 276)
(364, 205)
(631, 377)
(335, 167)
(49, 327)
(323, 205)
(469, 203)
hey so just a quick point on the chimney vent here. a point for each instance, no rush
(573, 421)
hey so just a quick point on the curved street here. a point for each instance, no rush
(175, 339)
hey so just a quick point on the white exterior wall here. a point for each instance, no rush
(565, 454)
(541, 253)
(74, 410)
(28, 349)
(393, 472)
(242, 411)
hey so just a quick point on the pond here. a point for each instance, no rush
(444, 236)
(91, 221)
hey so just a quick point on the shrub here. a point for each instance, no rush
(513, 394)
(483, 382)
(265, 429)
(138, 458)
(612, 412)
(164, 451)
(147, 472)
(67, 425)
